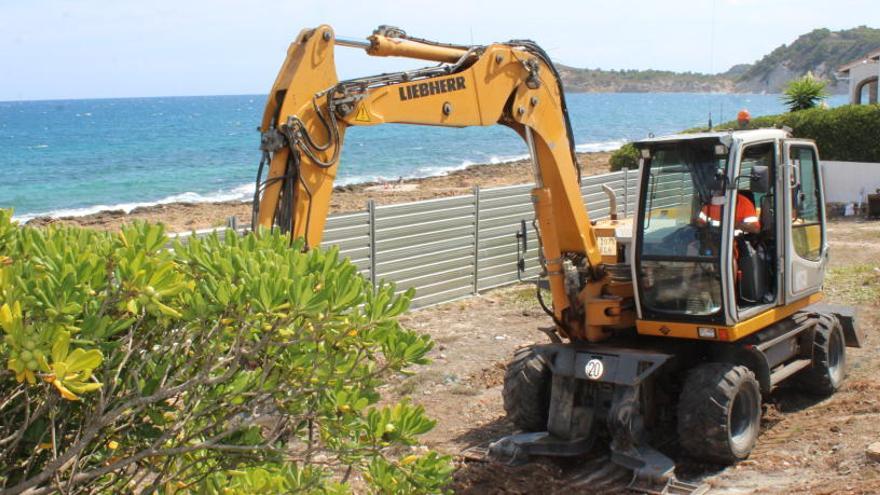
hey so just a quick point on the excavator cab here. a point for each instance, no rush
(730, 225)
(679, 241)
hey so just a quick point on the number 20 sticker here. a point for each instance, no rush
(594, 369)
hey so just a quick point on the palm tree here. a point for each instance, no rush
(806, 92)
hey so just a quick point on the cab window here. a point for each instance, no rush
(679, 247)
(759, 154)
(806, 228)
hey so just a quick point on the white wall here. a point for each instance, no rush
(858, 74)
(850, 182)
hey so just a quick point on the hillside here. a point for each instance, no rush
(642, 81)
(820, 51)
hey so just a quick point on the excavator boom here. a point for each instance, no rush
(513, 84)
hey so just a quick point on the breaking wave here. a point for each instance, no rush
(240, 193)
(245, 192)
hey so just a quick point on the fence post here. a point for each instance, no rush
(371, 215)
(476, 239)
(232, 222)
(625, 192)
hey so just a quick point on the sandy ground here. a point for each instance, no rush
(181, 217)
(807, 445)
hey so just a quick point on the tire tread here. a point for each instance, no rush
(526, 391)
(709, 391)
(817, 379)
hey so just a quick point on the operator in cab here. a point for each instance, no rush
(745, 219)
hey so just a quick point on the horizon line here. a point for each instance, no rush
(48, 100)
(63, 99)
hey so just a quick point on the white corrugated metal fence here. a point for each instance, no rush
(455, 247)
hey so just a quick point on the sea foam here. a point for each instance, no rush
(240, 193)
(245, 192)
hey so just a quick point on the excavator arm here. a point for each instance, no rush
(512, 84)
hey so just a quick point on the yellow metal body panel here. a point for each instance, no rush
(308, 70)
(544, 213)
(730, 333)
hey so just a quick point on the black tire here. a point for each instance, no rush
(719, 413)
(826, 374)
(526, 393)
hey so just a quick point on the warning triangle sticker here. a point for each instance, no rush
(362, 115)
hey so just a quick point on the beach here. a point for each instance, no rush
(183, 217)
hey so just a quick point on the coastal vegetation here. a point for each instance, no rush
(804, 93)
(844, 133)
(627, 156)
(642, 81)
(819, 52)
(234, 363)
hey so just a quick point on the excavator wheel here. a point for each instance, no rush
(526, 391)
(719, 412)
(826, 374)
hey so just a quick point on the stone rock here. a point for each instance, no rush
(873, 451)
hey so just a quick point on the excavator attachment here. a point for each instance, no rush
(593, 387)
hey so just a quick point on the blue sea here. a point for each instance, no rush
(75, 157)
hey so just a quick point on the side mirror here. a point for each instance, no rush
(760, 179)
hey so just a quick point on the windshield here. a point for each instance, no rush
(683, 201)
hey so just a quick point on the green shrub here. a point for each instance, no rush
(845, 133)
(627, 156)
(236, 364)
(804, 93)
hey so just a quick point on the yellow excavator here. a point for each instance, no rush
(681, 319)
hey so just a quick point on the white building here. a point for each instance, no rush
(863, 76)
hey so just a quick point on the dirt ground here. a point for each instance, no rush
(807, 445)
(183, 217)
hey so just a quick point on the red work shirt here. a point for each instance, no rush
(745, 212)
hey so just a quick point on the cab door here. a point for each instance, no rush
(806, 247)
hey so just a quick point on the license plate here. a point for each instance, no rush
(608, 246)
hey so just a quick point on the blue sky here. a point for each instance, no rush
(101, 48)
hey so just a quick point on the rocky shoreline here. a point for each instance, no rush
(182, 217)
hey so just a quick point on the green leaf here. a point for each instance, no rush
(6, 319)
(80, 387)
(60, 347)
(167, 310)
(80, 360)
